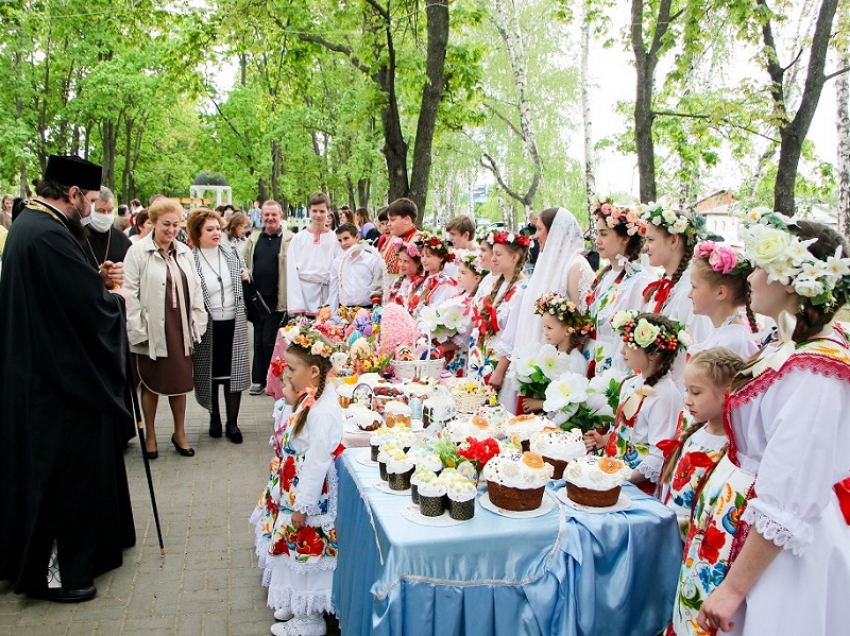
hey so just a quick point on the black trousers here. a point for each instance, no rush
(265, 335)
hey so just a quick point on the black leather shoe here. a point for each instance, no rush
(215, 426)
(185, 452)
(62, 595)
(152, 454)
(233, 433)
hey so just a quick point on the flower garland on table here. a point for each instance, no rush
(619, 217)
(672, 221)
(308, 339)
(722, 259)
(565, 311)
(508, 238)
(770, 245)
(642, 334)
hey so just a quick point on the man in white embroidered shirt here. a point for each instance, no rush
(357, 275)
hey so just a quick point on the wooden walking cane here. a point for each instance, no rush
(141, 426)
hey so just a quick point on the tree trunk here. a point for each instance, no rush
(508, 27)
(842, 125)
(587, 114)
(644, 68)
(395, 147)
(108, 136)
(364, 189)
(437, 13)
(262, 190)
(24, 185)
(275, 169)
(126, 173)
(793, 133)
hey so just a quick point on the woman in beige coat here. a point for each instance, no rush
(165, 318)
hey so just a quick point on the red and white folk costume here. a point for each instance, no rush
(786, 465)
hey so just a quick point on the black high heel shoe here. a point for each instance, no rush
(152, 454)
(185, 452)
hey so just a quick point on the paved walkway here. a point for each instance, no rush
(207, 584)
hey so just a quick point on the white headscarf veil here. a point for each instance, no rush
(564, 244)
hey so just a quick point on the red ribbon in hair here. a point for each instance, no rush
(661, 290)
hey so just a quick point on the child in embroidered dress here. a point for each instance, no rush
(308, 260)
(650, 408)
(719, 290)
(565, 328)
(708, 376)
(302, 549)
(769, 550)
(496, 315)
(470, 275)
(409, 260)
(357, 273)
(620, 285)
(670, 240)
(436, 286)
(265, 514)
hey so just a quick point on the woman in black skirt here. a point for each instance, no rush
(221, 359)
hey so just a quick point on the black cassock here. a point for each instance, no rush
(63, 361)
(110, 246)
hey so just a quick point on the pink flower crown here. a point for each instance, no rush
(308, 339)
(566, 311)
(722, 259)
(411, 248)
(619, 217)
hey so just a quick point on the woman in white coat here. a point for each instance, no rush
(165, 318)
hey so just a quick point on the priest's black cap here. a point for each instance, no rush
(73, 171)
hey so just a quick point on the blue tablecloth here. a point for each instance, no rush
(567, 572)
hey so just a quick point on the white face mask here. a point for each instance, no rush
(100, 222)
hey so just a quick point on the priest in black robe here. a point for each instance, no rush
(104, 242)
(65, 511)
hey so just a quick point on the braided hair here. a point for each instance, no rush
(324, 365)
(721, 365)
(497, 284)
(737, 284)
(634, 246)
(666, 357)
(684, 261)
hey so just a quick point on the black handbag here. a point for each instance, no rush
(256, 308)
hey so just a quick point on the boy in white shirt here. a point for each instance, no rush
(357, 275)
(309, 259)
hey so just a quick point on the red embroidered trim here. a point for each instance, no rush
(815, 363)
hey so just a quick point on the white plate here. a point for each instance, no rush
(411, 513)
(350, 427)
(623, 503)
(365, 457)
(385, 487)
(545, 506)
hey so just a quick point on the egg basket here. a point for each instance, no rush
(410, 369)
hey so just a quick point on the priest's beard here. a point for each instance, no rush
(75, 224)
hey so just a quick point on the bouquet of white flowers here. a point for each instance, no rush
(446, 320)
(533, 368)
(584, 404)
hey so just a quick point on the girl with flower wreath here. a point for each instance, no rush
(618, 286)
(670, 240)
(650, 408)
(495, 316)
(719, 290)
(566, 329)
(768, 551)
(435, 286)
(689, 459)
(409, 262)
(470, 274)
(300, 543)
